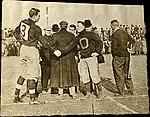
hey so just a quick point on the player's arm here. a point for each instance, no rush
(68, 48)
(42, 40)
(16, 34)
(45, 43)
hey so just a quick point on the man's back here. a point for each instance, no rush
(28, 32)
(88, 42)
(63, 38)
(119, 44)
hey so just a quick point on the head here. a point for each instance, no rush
(48, 31)
(80, 26)
(63, 24)
(34, 14)
(72, 28)
(95, 30)
(114, 24)
(55, 28)
(88, 25)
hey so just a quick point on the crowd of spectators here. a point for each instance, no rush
(136, 31)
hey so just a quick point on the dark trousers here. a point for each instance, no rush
(45, 76)
(121, 70)
(106, 49)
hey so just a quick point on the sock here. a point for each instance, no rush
(72, 90)
(87, 86)
(31, 84)
(19, 84)
(36, 88)
(60, 91)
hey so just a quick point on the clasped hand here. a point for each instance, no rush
(57, 53)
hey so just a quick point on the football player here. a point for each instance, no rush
(89, 43)
(29, 34)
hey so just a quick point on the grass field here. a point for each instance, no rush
(137, 104)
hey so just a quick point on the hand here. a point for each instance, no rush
(57, 53)
(77, 59)
(129, 50)
(38, 46)
(94, 54)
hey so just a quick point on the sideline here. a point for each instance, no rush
(122, 105)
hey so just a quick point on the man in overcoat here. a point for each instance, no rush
(64, 69)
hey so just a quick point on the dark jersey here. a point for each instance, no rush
(89, 42)
(29, 34)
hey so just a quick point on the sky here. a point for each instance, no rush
(100, 14)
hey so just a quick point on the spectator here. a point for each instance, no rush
(102, 32)
(55, 28)
(137, 47)
(72, 29)
(88, 25)
(95, 30)
(121, 59)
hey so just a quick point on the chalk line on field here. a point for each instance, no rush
(122, 105)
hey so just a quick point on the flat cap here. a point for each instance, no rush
(63, 24)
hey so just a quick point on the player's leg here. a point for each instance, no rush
(93, 68)
(22, 77)
(19, 84)
(33, 71)
(84, 76)
(31, 85)
(128, 81)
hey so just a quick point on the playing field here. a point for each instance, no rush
(137, 104)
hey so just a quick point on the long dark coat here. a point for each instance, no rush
(64, 70)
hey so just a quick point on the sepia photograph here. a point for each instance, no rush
(60, 58)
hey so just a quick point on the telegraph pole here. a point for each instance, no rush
(47, 16)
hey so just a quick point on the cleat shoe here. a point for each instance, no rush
(17, 100)
(87, 96)
(119, 95)
(36, 102)
(129, 93)
(73, 96)
(27, 95)
(100, 96)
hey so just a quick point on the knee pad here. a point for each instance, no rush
(31, 84)
(20, 80)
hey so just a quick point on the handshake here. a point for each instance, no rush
(57, 53)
